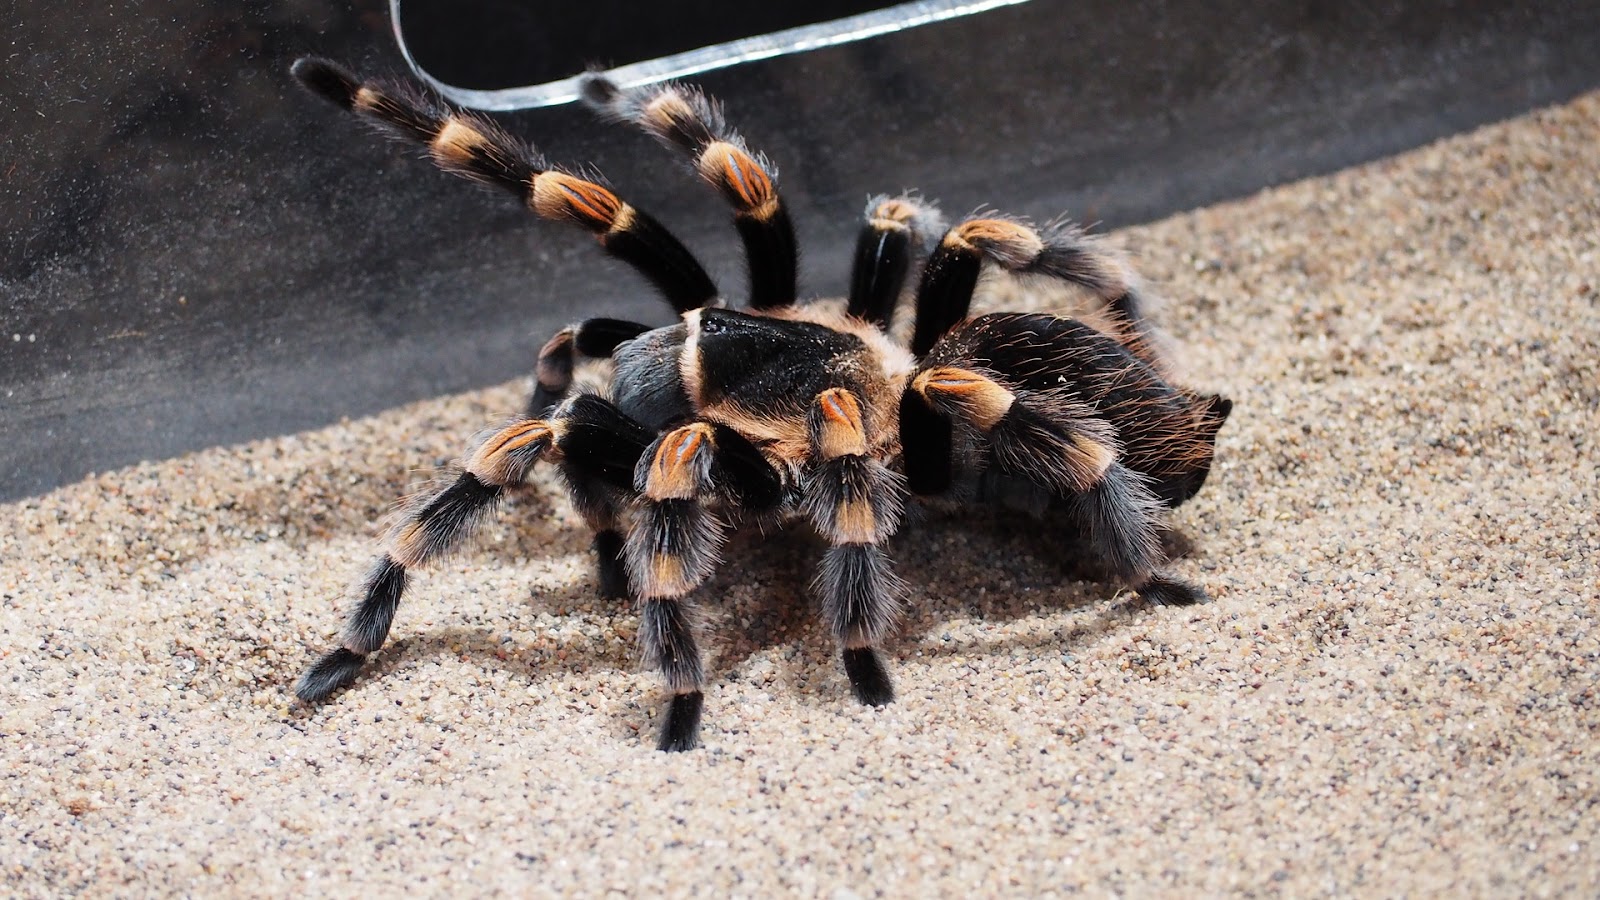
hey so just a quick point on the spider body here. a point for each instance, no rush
(796, 410)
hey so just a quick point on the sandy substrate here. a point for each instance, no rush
(1396, 689)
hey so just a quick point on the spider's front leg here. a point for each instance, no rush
(692, 123)
(595, 444)
(674, 545)
(475, 148)
(855, 501)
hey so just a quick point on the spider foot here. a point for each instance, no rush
(333, 671)
(869, 680)
(1163, 591)
(682, 729)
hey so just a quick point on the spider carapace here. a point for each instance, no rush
(815, 410)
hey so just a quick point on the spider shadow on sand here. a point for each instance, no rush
(766, 604)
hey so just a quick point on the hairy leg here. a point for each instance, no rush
(475, 148)
(687, 120)
(855, 501)
(675, 543)
(587, 437)
(590, 339)
(890, 245)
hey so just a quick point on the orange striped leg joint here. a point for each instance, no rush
(557, 195)
(1012, 244)
(969, 396)
(741, 179)
(852, 497)
(674, 541)
(1058, 452)
(508, 454)
(893, 214)
(677, 471)
(839, 430)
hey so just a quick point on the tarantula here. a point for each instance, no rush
(796, 410)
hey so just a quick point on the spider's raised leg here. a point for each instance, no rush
(590, 339)
(597, 448)
(1062, 445)
(855, 501)
(890, 244)
(1062, 252)
(684, 118)
(475, 148)
(674, 545)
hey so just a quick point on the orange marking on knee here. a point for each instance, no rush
(1016, 242)
(558, 195)
(456, 141)
(667, 111)
(519, 435)
(842, 432)
(490, 463)
(554, 366)
(740, 177)
(980, 399)
(672, 472)
(893, 214)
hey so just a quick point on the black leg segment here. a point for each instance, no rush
(945, 293)
(613, 571)
(335, 669)
(869, 680)
(666, 634)
(883, 257)
(926, 446)
(1164, 590)
(890, 244)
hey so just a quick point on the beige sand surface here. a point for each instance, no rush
(1394, 691)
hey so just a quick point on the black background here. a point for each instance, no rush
(197, 252)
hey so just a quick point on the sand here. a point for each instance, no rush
(1394, 690)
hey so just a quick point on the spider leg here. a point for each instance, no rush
(600, 447)
(1061, 252)
(597, 448)
(475, 148)
(1164, 432)
(890, 243)
(684, 118)
(590, 339)
(855, 501)
(1063, 446)
(927, 450)
(675, 543)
